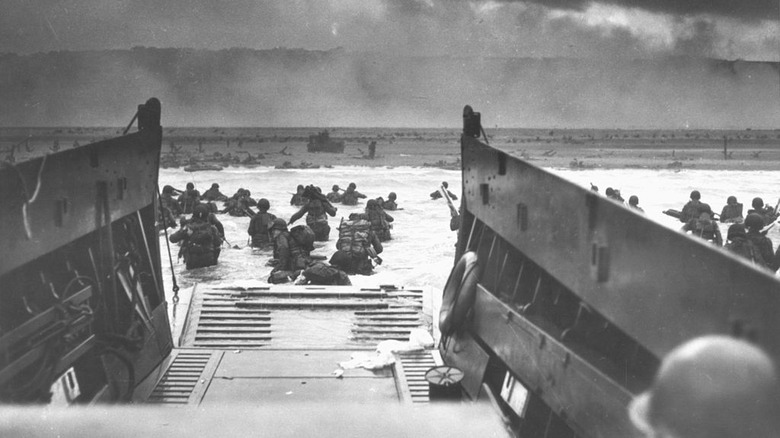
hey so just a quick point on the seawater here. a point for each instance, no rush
(422, 250)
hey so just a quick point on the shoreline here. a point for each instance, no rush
(434, 148)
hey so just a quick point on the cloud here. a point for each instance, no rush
(636, 28)
(741, 9)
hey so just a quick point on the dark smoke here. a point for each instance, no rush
(275, 88)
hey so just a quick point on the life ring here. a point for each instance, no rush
(459, 293)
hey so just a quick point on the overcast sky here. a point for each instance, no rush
(728, 29)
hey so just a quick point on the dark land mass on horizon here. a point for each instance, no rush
(561, 148)
(296, 87)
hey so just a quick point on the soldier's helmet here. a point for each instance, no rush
(263, 204)
(391, 196)
(610, 191)
(633, 200)
(758, 203)
(215, 186)
(341, 259)
(371, 203)
(695, 195)
(168, 190)
(190, 186)
(201, 211)
(279, 224)
(710, 386)
(731, 200)
(352, 185)
(444, 183)
(736, 230)
(754, 221)
(335, 187)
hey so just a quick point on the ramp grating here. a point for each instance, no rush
(186, 378)
(410, 368)
(234, 318)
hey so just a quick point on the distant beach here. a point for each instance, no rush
(440, 148)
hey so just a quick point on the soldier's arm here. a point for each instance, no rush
(214, 221)
(360, 195)
(179, 235)
(253, 226)
(388, 217)
(376, 244)
(767, 253)
(718, 235)
(283, 252)
(329, 208)
(298, 214)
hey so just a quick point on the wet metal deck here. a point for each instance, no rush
(284, 344)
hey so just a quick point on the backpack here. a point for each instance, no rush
(320, 273)
(303, 236)
(377, 219)
(747, 249)
(354, 236)
(202, 233)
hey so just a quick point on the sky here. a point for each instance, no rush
(724, 29)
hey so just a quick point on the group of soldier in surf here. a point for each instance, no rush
(746, 235)
(358, 246)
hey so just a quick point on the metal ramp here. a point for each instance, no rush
(285, 343)
(293, 316)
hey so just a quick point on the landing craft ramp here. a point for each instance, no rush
(280, 343)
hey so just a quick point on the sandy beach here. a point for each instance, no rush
(558, 148)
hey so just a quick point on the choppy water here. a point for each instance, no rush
(422, 250)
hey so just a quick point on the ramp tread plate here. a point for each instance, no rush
(412, 386)
(186, 378)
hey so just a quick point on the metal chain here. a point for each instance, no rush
(175, 288)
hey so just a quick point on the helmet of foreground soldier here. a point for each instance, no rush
(201, 211)
(263, 204)
(710, 386)
(758, 203)
(736, 230)
(279, 224)
(695, 195)
(754, 221)
(190, 186)
(340, 259)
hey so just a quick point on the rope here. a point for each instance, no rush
(135, 116)
(167, 244)
(30, 199)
